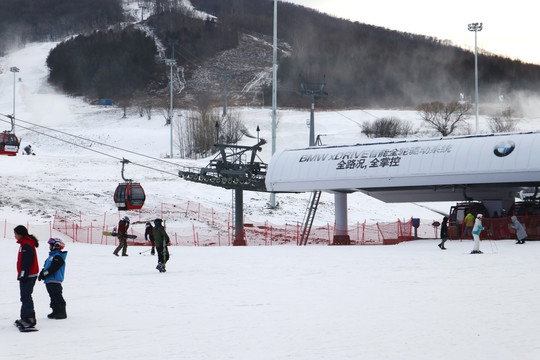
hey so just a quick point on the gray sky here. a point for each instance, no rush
(509, 28)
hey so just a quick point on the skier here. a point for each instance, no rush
(521, 234)
(161, 240)
(444, 232)
(477, 229)
(53, 275)
(149, 235)
(28, 269)
(123, 226)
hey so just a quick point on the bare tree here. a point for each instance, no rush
(387, 127)
(503, 121)
(444, 118)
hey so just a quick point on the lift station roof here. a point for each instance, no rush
(483, 167)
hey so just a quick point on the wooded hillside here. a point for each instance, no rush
(365, 65)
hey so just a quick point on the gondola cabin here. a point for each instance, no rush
(129, 196)
(9, 144)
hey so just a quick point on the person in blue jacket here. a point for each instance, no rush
(53, 275)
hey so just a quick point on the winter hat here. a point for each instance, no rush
(126, 219)
(479, 216)
(157, 221)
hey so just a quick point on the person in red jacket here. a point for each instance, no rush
(27, 273)
(123, 227)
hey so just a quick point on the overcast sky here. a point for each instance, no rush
(509, 28)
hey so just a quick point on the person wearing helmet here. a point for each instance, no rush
(123, 226)
(477, 229)
(53, 275)
(149, 236)
(161, 240)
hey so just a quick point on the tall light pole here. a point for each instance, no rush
(14, 70)
(171, 63)
(274, 95)
(476, 27)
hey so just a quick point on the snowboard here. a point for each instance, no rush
(23, 329)
(111, 233)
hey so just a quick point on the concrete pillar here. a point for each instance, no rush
(341, 236)
(239, 218)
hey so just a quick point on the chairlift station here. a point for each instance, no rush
(489, 168)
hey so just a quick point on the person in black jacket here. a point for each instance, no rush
(149, 236)
(444, 232)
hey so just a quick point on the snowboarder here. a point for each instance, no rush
(444, 232)
(161, 240)
(477, 229)
(521, 234)
(149, 236)
(123, 226)
(28, 269)
(53, 275)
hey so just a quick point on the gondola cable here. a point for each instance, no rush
(90, 149)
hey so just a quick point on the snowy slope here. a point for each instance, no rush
(410, 301)
(64, 177)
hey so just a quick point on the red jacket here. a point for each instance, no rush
(27, 261)
(123, 227)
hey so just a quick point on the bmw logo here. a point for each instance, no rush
(504, 148)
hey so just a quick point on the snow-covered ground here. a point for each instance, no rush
(409, 301)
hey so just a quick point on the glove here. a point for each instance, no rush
(42, 275)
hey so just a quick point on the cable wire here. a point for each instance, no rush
(91, 141)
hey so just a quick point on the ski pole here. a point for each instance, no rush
(142, 252)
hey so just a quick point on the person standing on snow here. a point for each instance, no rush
(53, 275)
(444, 232)
(123, 227)
(521, 234)
(27, 273)
(161, 240)
(477, 229)
(469, 223)
(149, 236)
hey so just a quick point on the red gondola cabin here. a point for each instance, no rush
(129, 196)
(9, 144)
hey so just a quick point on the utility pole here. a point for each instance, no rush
(14, 70)
(225, 77)
(313, 90)
(171, 62)
(274, 95)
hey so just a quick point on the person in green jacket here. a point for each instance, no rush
(161, 239)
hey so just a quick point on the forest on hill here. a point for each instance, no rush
(361, 65)
(364, 65)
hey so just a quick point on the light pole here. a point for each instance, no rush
(14, 70)
(274, 94)
(476, 27)
(171, 63)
